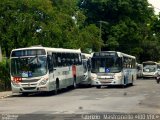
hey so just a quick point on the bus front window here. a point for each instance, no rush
(29, 66)
(149, 68)
(106, 64)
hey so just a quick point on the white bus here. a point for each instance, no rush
(86, 60)
(149, 69)
(37, 69)
(113, 68)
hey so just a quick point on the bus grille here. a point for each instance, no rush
(105, 80)
(26, 81)
(29, 88)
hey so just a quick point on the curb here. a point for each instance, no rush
(5, 95)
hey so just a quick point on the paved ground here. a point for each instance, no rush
(5, 94)
(142, 98)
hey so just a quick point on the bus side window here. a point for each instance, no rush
(63, 59)
(73, 58)
(54, 55)
(125, 62)
(59, 61)
(68, 59)
(76, 59)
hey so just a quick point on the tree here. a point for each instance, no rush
(127, 28)
(23, 22)
(75, 34)
(49, 23)
(151, 44)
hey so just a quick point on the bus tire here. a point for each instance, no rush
(124, 83)
(25, 94)
(98, 87)
(158, 80)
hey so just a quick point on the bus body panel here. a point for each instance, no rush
(86, 60)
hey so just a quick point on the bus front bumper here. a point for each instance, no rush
(106, 82)
(28, 88)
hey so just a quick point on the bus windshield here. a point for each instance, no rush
(149, 67)
(29, 66)
(107, 64)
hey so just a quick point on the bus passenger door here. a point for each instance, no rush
(51, 72)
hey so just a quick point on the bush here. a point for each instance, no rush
(5, 75)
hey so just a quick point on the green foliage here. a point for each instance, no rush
(51, 23)
(59, 23)
(4, 75)
(127, 28)
(88, 37)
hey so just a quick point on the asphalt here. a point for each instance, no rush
(5, 94)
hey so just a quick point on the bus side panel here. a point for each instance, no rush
(79, 74)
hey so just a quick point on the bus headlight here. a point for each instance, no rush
(15, 83)
(43, 81)
(118, 77)
(93, 76)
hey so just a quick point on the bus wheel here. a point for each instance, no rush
(98, 86)
(25, 94)
(158, 80)
(125, 84)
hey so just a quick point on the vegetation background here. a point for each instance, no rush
(129, 26)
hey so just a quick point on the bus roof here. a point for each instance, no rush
(87, 56)
(120, 54)
(51, 49)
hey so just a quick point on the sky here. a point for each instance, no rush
(156, 5)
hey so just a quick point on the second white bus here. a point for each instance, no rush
(113, 68)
